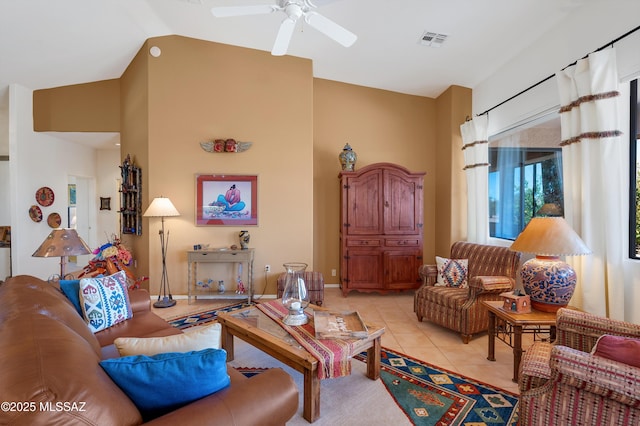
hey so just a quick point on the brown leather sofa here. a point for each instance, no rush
(50, 372)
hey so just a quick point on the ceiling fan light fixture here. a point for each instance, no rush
(294, 10)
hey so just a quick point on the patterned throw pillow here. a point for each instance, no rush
(452, 272)
(105, 301)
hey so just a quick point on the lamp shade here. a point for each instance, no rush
(549, 236)
(161, 207)
(62, 242)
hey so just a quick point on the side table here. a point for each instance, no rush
(512, 326)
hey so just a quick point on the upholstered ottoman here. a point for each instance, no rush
(314, 282)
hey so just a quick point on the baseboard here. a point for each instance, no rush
(264, 296)
(212, 297)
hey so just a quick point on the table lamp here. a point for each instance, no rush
(62, 242)
(548, 280)
(163, 207)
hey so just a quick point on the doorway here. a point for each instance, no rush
(82, 216)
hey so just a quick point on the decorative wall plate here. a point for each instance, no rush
(54, 220)
(45, 196)
(35, 213)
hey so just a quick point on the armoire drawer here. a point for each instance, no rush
(364, 242)
(402, 242)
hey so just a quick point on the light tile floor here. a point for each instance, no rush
(421, 340)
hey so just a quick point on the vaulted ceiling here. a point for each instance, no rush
(45, 43)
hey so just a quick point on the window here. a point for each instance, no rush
(525, 174)
(634, 139)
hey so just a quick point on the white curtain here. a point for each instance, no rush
(593, 162)
(475, 145)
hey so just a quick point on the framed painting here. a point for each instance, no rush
(227, 200)
(72, 194)
(105, 203)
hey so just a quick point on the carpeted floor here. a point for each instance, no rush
(410, 392)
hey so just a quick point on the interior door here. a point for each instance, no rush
(84, 213)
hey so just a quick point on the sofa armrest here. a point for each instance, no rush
(140, 300)
(428, 274)
(580, 330)
(601, 376)
(269, 398)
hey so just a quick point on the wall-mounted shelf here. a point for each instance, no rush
(130, 198)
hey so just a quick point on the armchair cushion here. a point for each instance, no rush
(618, 348)
(452, 272)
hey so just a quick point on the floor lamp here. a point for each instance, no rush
(162, 207)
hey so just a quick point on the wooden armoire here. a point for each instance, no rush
(381, 228)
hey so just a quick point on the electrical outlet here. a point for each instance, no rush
(333, 272)
(267, 268)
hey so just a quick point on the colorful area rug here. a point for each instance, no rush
(204, 317)
(429, 395)
(433, 396)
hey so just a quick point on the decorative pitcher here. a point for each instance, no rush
(295, 296)
(244, 239)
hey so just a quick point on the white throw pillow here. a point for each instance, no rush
(207, 337)
(452, 272)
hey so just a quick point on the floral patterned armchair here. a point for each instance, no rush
(491, 271)
(563, 383)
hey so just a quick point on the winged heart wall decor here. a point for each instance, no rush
(225, 145)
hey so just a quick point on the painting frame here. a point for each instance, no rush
(226, 200)
(105, 203)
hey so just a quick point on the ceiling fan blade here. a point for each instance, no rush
(330, 29)
(284, 37)
(260, 9)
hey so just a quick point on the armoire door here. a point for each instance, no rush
(402, 204)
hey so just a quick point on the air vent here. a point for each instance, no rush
(432, 39)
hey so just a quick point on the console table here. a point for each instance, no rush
(233, 257)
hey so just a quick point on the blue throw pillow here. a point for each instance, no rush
(164, 382)
(71, 289)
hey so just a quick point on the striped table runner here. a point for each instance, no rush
(334, 355)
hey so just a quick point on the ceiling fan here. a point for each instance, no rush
(294, 9)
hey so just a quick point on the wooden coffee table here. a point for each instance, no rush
(254, 327)
(513, 326)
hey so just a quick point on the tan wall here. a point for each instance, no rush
(198, 91)
(134, 113)
(91, 107)
(453, 106)
(380, 126)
